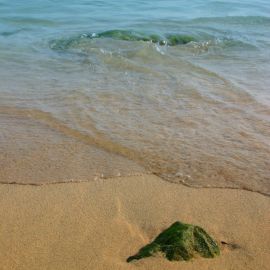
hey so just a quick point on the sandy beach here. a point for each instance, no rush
(98, 224)
(121, 119)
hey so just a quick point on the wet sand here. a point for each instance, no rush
(98, 224)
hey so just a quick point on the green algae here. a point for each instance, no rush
(180, 242)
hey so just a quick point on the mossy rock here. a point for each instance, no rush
(126, 35)
(174, 40)
(129, 36)
(180, 242)
(171, 39)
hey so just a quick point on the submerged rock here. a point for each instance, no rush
(174, 40)
(131, 36)
(170, 39)
(125, 35)
(180, 242)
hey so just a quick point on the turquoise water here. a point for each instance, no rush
(179, 87)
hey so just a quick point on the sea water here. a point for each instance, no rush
(98, 89)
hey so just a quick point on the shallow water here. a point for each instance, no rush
(179, 89)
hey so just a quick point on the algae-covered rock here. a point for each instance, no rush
(129, 36)
(174, 40)
(170, 39)
(180, 242)
(125, 35)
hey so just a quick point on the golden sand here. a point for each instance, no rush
(97, 225)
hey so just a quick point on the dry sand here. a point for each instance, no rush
(97, 225)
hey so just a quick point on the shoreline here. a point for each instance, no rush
(98, 224)
(183, 183)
